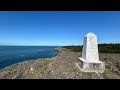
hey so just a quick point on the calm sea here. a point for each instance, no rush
(14, 54)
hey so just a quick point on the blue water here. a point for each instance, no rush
(14, 54)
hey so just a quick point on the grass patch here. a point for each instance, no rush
(39, 72)
(65, 49)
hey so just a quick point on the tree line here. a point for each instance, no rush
(102, 48)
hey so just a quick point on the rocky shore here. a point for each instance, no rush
(62, 66)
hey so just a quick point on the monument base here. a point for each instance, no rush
(88, 66)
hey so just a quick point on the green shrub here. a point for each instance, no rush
(103, 48)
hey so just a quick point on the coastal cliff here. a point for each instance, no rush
(62, 66)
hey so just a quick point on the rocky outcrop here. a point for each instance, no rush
(62, 66)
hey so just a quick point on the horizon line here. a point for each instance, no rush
(55, 45)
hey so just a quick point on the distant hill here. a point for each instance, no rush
(103, 48)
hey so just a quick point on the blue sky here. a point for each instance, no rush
(58, 27)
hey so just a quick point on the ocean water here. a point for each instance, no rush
(14, 54)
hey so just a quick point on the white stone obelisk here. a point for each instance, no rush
(90, 56)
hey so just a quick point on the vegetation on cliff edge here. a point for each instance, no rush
(103, 48)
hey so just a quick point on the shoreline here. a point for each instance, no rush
(56, 49)
(10, 68)
(60, 66)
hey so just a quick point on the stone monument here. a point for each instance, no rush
(89, 62)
